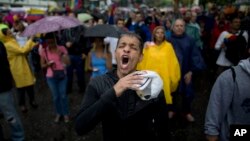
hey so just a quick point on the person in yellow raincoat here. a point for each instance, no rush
(160, 56)
(20, 69)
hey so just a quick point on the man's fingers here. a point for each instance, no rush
(136, 77)
(134, 87)
(139, 82)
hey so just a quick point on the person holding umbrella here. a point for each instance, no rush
(54, 58)
(58, 23)
(75, 44)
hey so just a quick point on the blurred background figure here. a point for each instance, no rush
(222, 61)
(99, 60)
(54, 58)
(75, 44)
(7, 105)
(190, 61)
(20, 67)
(159, 56)
(111, 42)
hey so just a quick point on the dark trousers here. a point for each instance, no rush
(1, 133)
(78, 64)
(21, 94)
(182, 100)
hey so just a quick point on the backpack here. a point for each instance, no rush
(235, 48)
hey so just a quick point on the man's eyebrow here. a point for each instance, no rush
(132, 44)
(122, 43)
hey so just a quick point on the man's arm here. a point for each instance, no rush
(96, 104)
(93, 108)
(220, 41)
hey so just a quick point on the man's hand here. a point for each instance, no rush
(212, 138)
(131, 81)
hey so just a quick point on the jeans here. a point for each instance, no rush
(60, 98)
(77, 63)
(8, 109)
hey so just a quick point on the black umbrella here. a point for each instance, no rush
(104, 30)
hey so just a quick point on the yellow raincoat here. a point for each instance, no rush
(17, 57)
(162, 59)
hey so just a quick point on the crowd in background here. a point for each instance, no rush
(193, 39)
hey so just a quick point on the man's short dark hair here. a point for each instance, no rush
(120, 19)
(131, 34)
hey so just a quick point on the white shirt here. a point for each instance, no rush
(222, 60)
(112, 41)
(21, 40)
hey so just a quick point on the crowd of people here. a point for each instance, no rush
(177, 46)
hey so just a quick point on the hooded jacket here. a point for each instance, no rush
(123, 118)
(229, 101)
(17, 57)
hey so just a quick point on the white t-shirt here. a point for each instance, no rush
(112, 41)
(222, 60)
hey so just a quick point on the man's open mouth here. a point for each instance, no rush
(125, 62)
(125, 59)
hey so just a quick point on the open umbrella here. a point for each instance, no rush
(104, 30)
(50, 24)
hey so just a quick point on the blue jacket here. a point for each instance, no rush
(142, 30)
(189, 57)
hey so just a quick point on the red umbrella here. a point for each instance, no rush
(50, 24)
